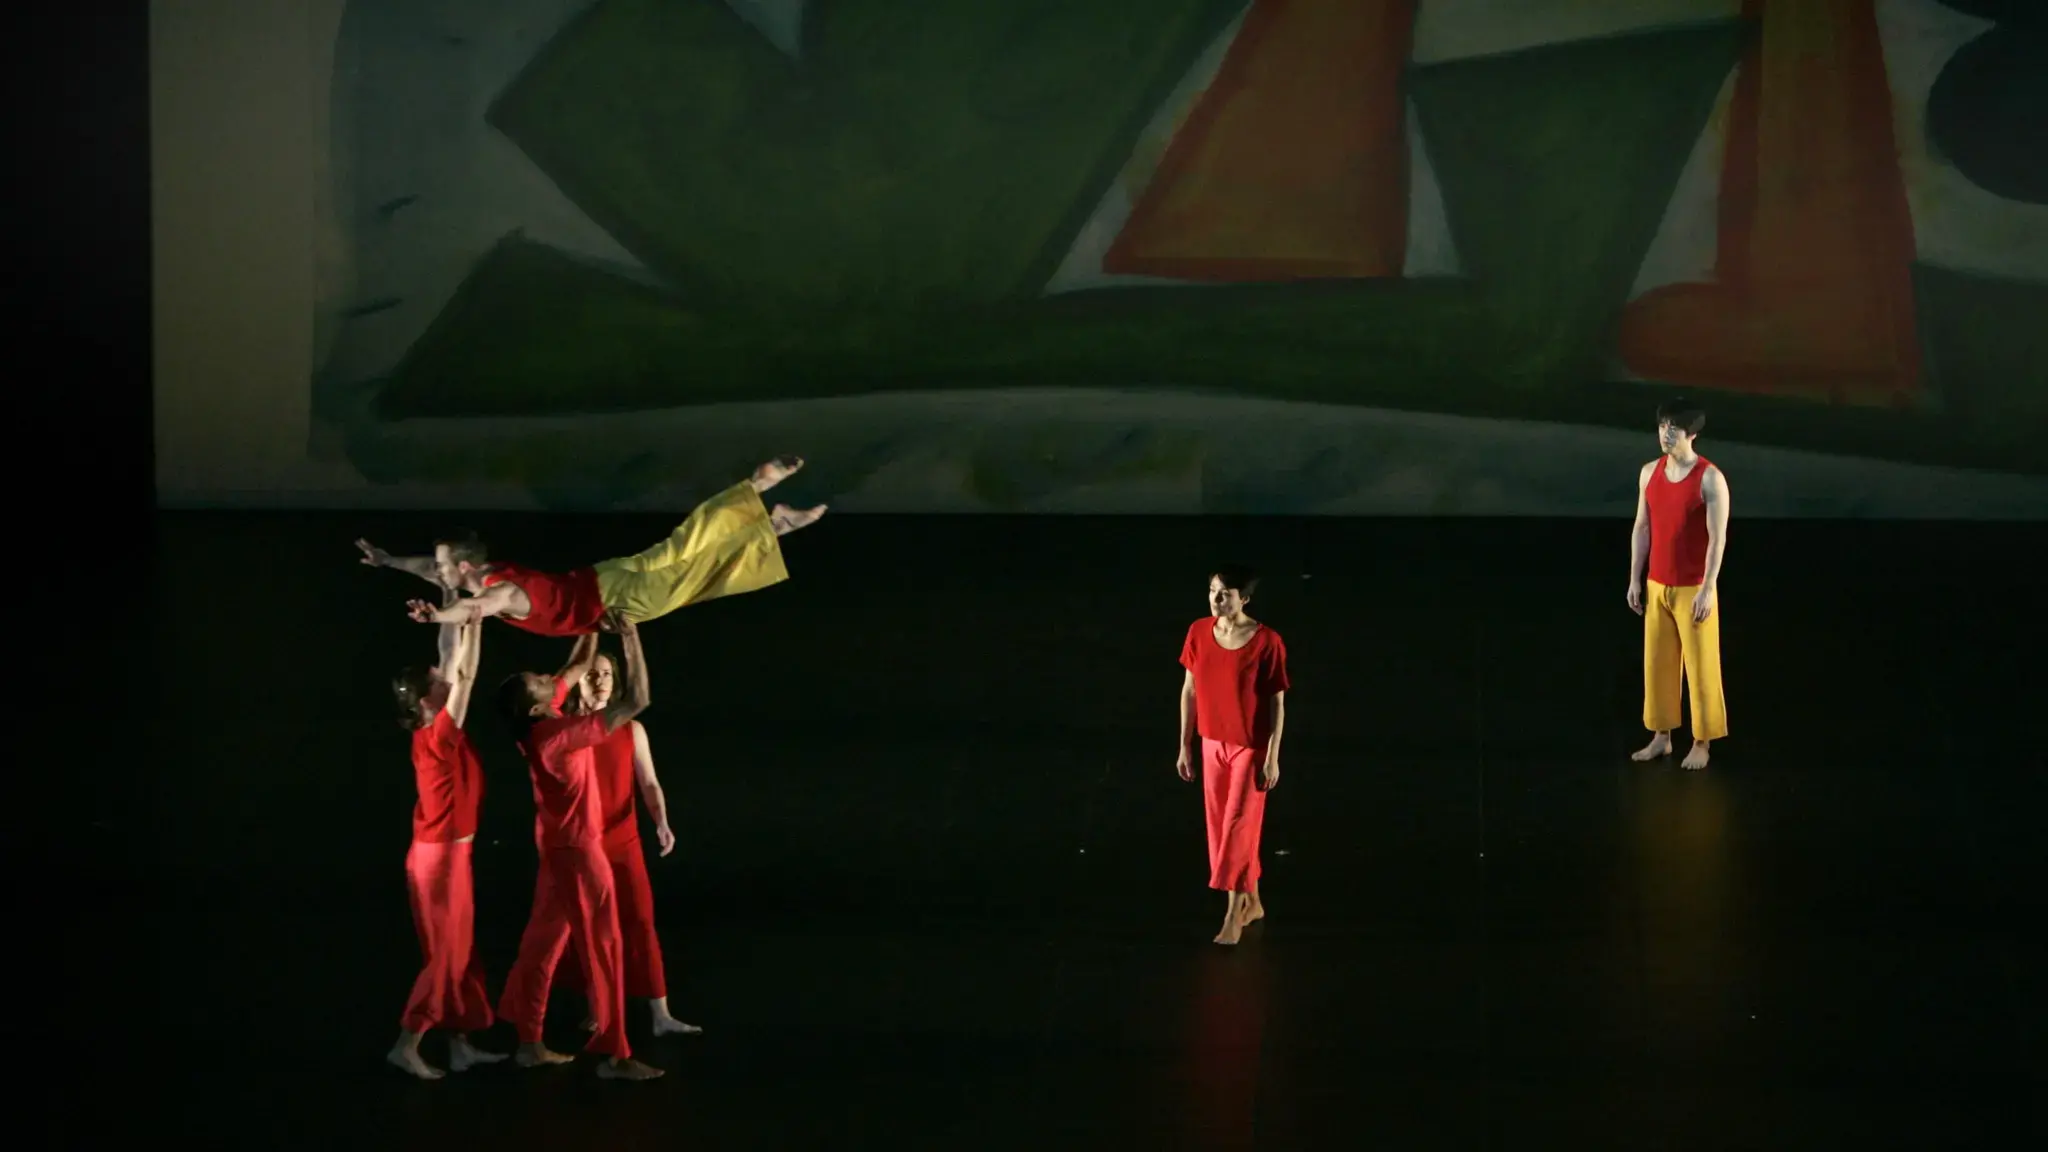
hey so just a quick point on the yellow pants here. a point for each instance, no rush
(1675, 648)
(726, 547)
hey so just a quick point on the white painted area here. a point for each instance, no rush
(1082, 267)
(1313, 459)
(1431, 249)
(1955, 223)
(1686, 245)
(1456, 29)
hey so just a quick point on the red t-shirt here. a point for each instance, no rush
(563, 604)
(450, 781)
(1230, 685)
(1678, 526)
(615, 780)
(559, 756)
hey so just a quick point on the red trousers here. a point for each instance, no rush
(1236, 809)
(646, 979)
(449, 992)
(573, 902)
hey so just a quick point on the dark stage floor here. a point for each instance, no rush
(938, 885)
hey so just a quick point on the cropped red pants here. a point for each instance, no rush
(1236, 810)
(449, 992)
(645, 976)
(574, 902)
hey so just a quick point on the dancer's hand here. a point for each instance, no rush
(1185, 765)
(666, 838)
(1635, 597)
(1270, 774)
(1703, 603)
(374, 556)
(615, 622)
(422, 612)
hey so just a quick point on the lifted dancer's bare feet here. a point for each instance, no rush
(667, 1025)
(617, 1069)
(463, 1055)
(406, 1058)
(787, 519)
(775, 472)
(539, 1055)
(1695, 759)
(1659, 745)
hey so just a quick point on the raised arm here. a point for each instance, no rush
(420, 566)
(650, 788)
(460, 670)
(582, 655)
(636, 699)
(492, 601)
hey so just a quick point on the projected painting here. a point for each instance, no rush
(1187, 255)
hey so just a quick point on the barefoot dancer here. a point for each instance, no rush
(1682, 528)
(1235, 697)
(625, 761)
(574, 900)
(727, 546)
(449, 993)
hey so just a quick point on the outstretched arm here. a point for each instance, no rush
(420, 566)
(650, 788)
(492, 601)
(460, 671)
(636, 698)
(582, 655)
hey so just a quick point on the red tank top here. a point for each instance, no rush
(450, 780)
(1678, 526)
(563, 604)
(615, 798)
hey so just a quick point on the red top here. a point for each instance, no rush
(564, 604)
(565, 798)
(615, 780)
(1230, 684)
(450, 780)
(1678, 526)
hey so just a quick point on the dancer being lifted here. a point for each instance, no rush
(574, 900)
(449, 993)
(1233, 705)
(1682, 530)
(727, 546)
(625, 768)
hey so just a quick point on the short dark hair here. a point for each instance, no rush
(464, 545)
(1680, 412)
(1237, 577)
(515, 705)
(408, 688)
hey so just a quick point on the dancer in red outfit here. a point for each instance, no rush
(449, 993)
(1234, 696)
(625, 762)
(574, 899)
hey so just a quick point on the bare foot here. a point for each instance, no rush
(1659, 745)
(787, 519)
(617, 1069)
(409, 1061)
(775, 472)
(462, 1055)
(1232, 930)
(537, 1055)
(666, 1025)
(1255, 911)
(1695, 759)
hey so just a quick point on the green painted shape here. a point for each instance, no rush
(922, 152)
(1986, 350)
(1557, 164)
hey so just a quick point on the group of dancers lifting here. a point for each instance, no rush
(588, 755)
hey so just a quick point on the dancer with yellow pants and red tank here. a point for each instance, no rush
(1681, 531)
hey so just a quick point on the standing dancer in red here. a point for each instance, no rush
(1234, 697)
(625, 762)
(574, 899)
(449, 993)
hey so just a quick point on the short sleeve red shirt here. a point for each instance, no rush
(1229, 685)
(567, 812)
(450, 781)
(562, 603)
